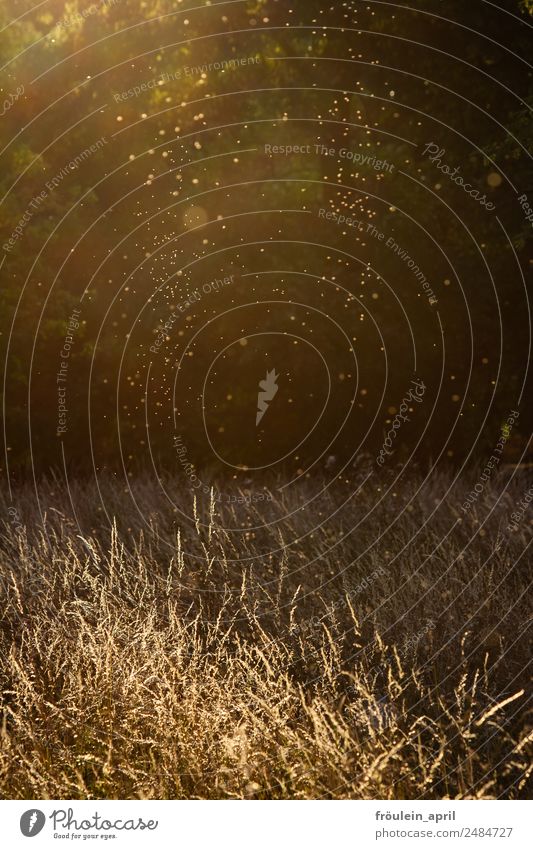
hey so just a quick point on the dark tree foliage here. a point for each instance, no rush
(181, 192)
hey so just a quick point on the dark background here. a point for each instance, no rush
(183, 194)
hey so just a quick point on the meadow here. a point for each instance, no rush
(149, 653)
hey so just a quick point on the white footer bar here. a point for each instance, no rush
(267, 825)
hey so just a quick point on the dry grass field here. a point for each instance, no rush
(361, 657)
